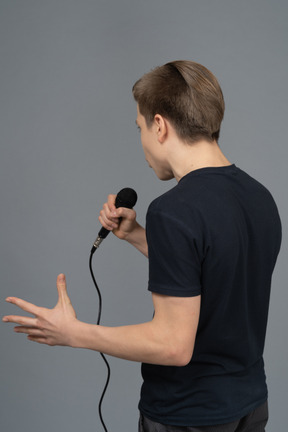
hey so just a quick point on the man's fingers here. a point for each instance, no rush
(24, 305)
(23, 321)
(126, 213)
(29, 330)
(39, 339)
(62, 290)
(107, 217)
(61, 280)
(111, 201)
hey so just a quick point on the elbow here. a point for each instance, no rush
(179, 356)
(183, 360)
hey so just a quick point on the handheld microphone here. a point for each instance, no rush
(127, 198)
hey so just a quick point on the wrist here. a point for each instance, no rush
(132, 233)
(74, 334)
(83, 335)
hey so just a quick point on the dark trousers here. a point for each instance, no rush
(253, 422)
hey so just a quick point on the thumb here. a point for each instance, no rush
(62, 290)
(124, 212)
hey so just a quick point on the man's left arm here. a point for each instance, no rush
(168, 339)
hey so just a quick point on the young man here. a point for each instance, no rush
(212, 243)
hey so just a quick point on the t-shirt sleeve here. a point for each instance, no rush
(175, 255)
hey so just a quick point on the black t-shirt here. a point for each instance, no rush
(217, 234)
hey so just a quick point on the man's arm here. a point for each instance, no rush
(168, 339)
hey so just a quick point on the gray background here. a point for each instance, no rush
(68, 138)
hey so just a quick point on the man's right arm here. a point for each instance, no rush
(122, 222)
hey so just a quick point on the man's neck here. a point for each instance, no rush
(185, 158)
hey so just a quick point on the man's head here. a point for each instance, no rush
(187, 94)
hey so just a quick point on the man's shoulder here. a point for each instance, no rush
(179, 195)
(178, 206)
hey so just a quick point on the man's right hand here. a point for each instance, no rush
(122, 222)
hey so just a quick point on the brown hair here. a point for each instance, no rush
(187, 94)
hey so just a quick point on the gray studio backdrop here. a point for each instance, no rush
(68, 138)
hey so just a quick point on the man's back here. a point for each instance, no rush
(217, 233)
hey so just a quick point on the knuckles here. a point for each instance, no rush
(38, 324)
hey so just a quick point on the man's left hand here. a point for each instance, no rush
(49, 326)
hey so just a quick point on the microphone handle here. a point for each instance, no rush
(103, 233)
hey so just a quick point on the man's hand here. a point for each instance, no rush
(122, 222)
(50, 326)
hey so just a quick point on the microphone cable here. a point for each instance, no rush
(102, 355)
(127, 198)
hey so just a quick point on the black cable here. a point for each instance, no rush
(102, 355)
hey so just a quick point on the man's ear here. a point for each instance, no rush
(161, 127)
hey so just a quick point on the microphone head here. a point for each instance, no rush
(127, 198)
